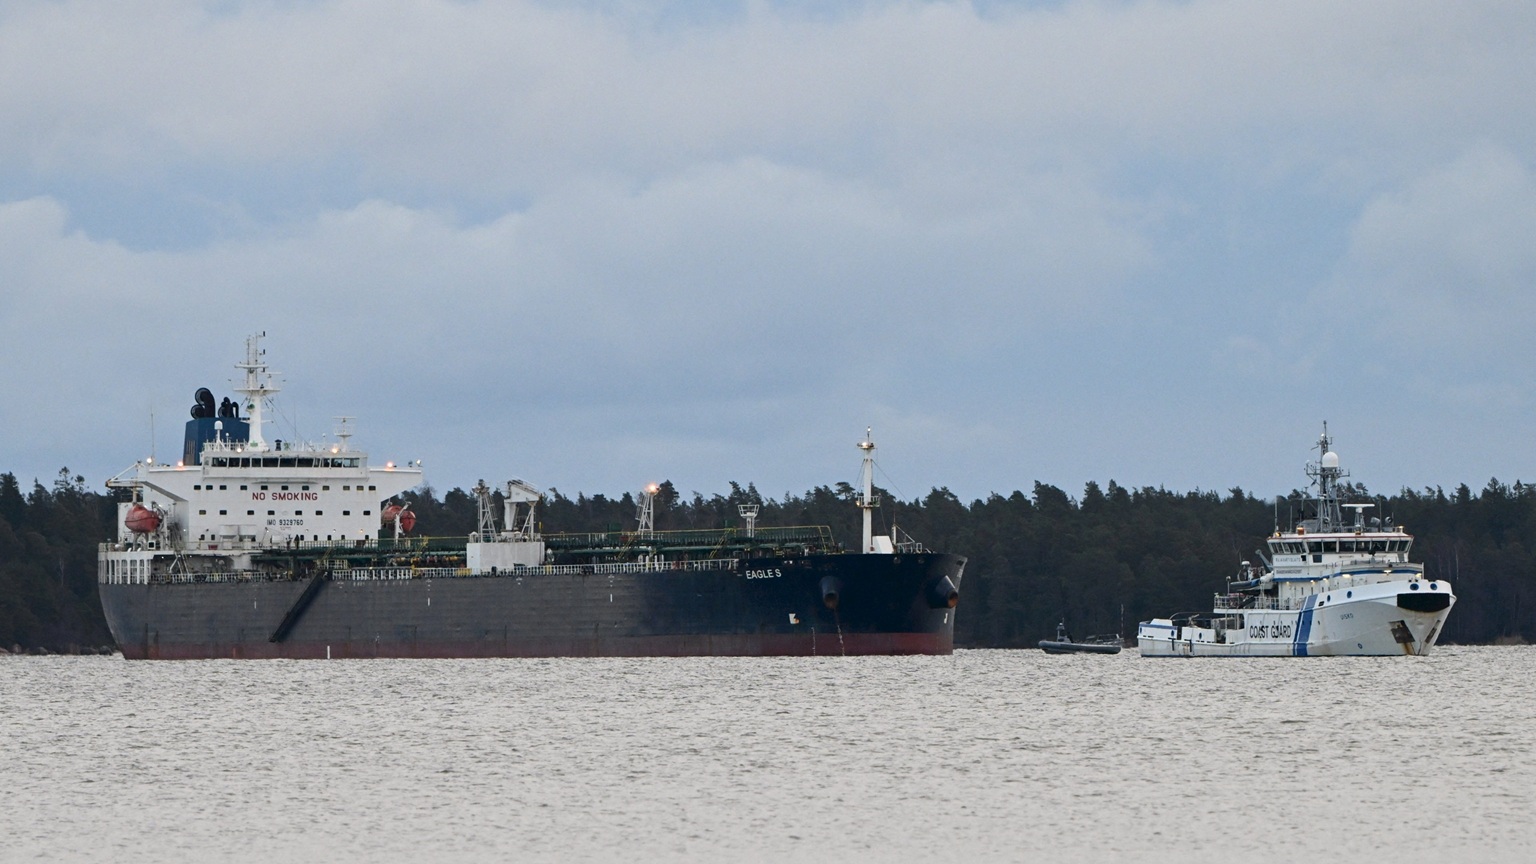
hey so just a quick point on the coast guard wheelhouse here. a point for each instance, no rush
(1332, 586)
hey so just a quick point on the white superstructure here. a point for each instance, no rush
(1331, 587)
(234, 494)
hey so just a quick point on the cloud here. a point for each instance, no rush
(720, 237)
(741, 287)
(510, 99)
(1446, 256)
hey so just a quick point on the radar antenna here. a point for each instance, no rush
(1326, 474)
(344, 432)
(257, 388)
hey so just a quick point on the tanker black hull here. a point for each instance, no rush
(820, 604)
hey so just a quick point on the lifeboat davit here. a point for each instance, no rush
(406, 517)
(142, 520)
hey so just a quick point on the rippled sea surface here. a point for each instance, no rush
(982, 756)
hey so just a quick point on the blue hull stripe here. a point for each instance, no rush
(1304, 627)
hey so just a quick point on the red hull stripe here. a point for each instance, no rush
(765, 645)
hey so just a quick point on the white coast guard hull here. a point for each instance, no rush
(1379, 619)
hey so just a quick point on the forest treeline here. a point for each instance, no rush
(1100, 561)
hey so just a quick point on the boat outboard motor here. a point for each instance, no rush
(831, 591)
(943, 594)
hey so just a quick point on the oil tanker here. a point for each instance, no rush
(245, 548)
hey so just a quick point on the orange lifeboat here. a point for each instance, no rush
(142, 520)
(406, 517)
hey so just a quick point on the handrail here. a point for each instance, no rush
(369, 574)
(807, 535)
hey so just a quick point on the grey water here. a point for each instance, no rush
(981, 756)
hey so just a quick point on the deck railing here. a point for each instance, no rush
(1245, 602)
(373, 574)
(810, 537)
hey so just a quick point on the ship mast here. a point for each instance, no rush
(487, 512)
(866, 501)
(645, 510)
(258, 387)
(1326, 474)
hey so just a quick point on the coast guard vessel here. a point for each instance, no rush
(1332, 586)
(246, 547)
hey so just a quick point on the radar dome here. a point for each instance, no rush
(1330, 459)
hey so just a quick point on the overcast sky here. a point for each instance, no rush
(594, 245)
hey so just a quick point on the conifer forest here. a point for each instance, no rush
(1099, 560)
